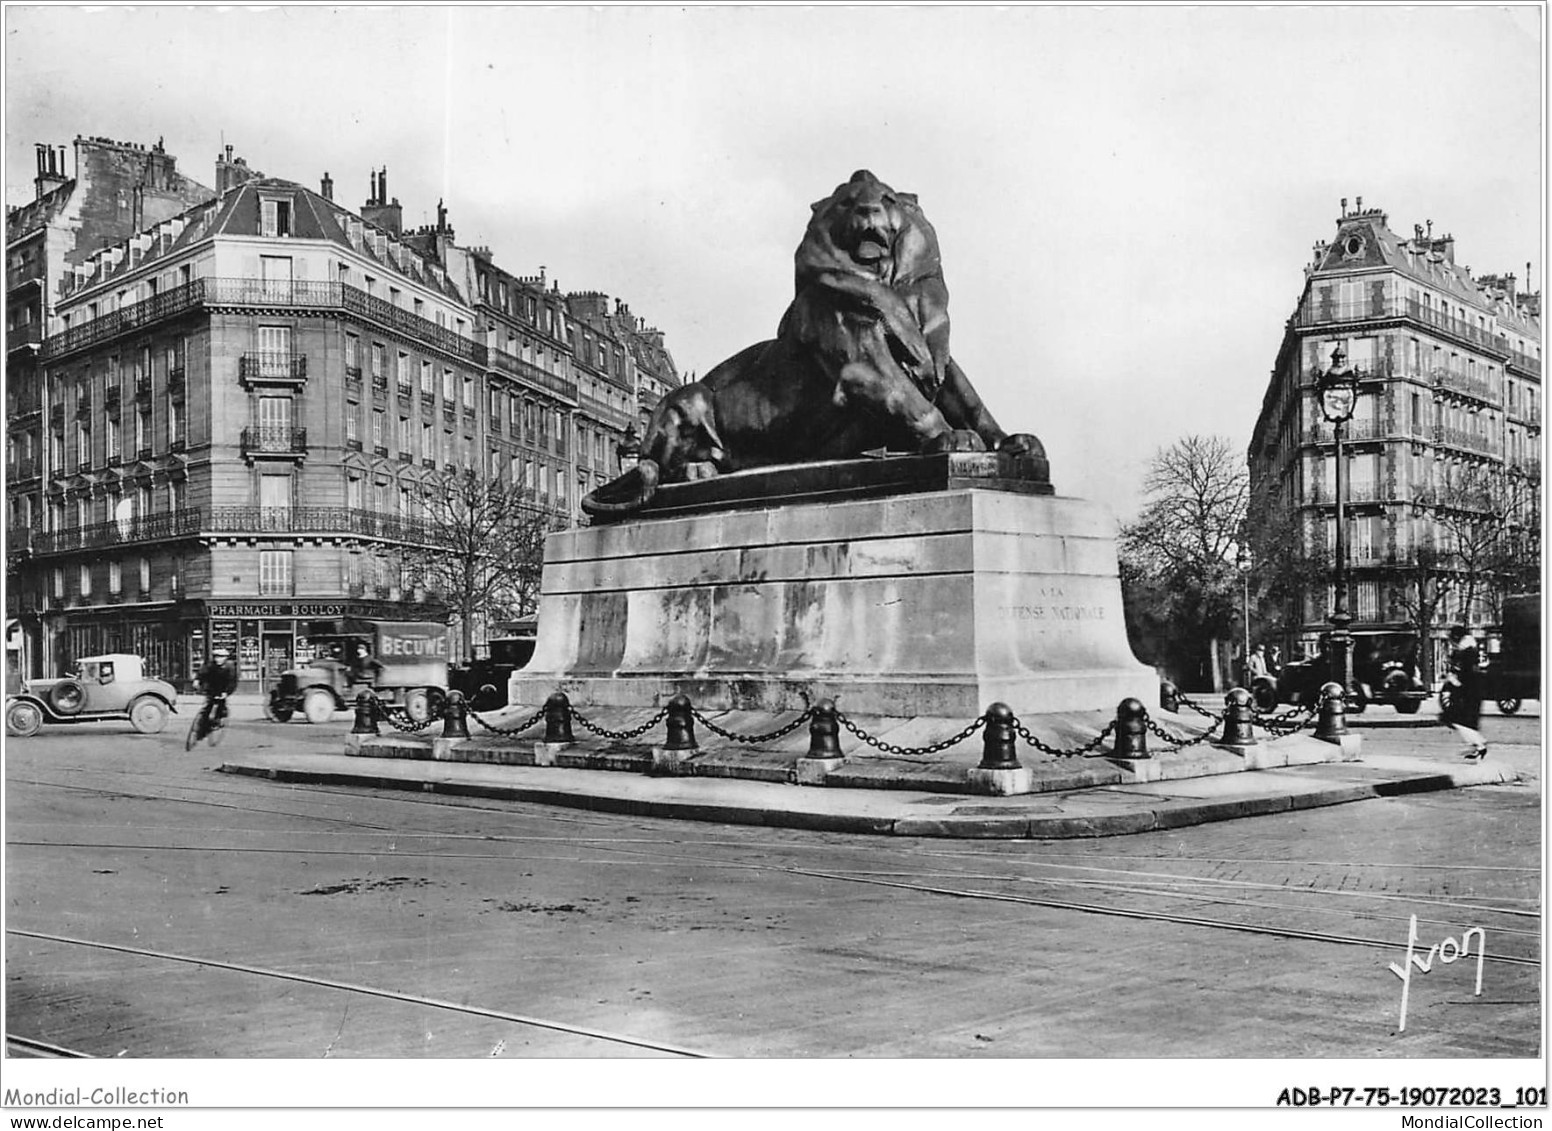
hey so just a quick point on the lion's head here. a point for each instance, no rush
(867, 228)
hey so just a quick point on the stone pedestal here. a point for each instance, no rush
(934, 603)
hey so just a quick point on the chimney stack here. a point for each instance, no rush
(327, 187)
(51, 170)
(1344, 208)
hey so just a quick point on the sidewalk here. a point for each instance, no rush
(1104, 810)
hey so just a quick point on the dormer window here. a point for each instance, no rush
(275, 214)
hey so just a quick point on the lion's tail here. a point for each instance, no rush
(625, 494)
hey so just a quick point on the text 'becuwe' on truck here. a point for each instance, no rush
(401, 662)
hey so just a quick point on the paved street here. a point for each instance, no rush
(332, 922)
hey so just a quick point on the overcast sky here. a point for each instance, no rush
(1125, 198)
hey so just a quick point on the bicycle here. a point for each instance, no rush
(209, 723)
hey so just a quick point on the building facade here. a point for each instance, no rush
(243, 408)
(1450, 392)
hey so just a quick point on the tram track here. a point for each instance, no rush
(1109, 880)
(367, 991)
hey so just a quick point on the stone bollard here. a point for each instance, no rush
(999, 772)
(366, 715)
(455, 716)
(1239, 716)
(681, 724)
(999, 748)
(557, 730)
(557, 719)
(824, 745)
(1131, 728)
(1331, 726)
(824, 733)
(1169, 697)
(672, 757)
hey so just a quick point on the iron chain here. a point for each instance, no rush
(387, 713)
(753, 739)
(535, 717)
(618, 735)
(909, 751)
(1175, 743)
(1085, 750)
(1200, 710)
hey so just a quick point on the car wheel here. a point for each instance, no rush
(23, 719)
(148, 715)
(1408, 706)
(1357, 699)
(279, 714)
(318, 705)
(417, 704)
(1264, 691)
(1508, 706)
(67, 697)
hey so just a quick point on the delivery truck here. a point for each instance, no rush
(400, 662)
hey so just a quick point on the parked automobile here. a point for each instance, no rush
(1513, 672)
(404, 662)
(102, 688)
(1384, 671)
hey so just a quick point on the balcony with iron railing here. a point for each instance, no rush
(260, 295)
(1525, 363)
(379, 382)
(320, 520)
(271, 367)
(1314, 312)
(22, 337)
(1448, 381)
(1463, 440)
(533, 375)
(274, 440)
(175, 378)
(149, 528)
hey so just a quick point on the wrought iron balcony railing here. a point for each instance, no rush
(274, 440)
(533, 375)
(272, 366)
(1460, 438)
(150, 528)
(256, 294)
(320, 520)
(20, 337)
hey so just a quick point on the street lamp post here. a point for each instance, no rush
(1242, 563)
(1338, 391)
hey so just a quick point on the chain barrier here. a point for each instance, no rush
(909, 751)
(753, 739)
(535, 717)
(619, 735)
(386, 712)
(1175, 743)
(1180, 697)
(1291, 721)
(1084, 751)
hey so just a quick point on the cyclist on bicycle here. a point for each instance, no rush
(217, 679)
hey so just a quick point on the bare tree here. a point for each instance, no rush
(1178, 557)
(1488, 523)
(483, 549)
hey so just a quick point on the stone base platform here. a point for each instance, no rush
(951, 771)
(930, 604)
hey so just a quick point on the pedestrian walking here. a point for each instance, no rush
(1258, 666)
(1463, 712)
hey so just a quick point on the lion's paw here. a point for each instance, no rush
(1022, 444)
(958, 440)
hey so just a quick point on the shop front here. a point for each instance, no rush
(267, 637)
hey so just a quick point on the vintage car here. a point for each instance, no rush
(107, 687)
(1384, 671)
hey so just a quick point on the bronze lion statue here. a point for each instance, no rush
(860, 361)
